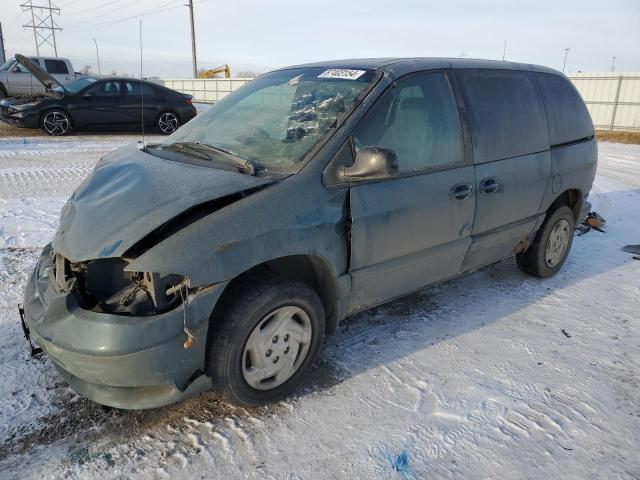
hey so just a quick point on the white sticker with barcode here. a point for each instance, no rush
(343, 73)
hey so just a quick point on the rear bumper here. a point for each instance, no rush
(123, 362)
(188, 115)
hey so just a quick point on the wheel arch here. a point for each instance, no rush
(53, 107)
(311, 270)
(572, 198)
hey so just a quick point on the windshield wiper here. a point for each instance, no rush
(245, 166)
(184, 148)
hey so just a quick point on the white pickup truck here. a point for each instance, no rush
(15, 79)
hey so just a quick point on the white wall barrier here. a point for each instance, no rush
(613, 98)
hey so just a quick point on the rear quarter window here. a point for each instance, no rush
(505, 114)
(569, 119)
(56, 67)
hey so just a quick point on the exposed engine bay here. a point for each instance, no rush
(104, 286)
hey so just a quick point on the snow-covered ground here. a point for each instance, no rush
(496, 375)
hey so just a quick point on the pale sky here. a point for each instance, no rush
(263, 35)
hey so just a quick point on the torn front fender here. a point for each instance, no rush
(297, 216)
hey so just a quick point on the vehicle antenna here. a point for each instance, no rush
(141, 85)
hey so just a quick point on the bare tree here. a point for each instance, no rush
(86, 70)
(248, 74)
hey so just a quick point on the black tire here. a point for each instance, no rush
(55, 122)
(242, 311)
(3, 92)
(168, 122)
(534, 260)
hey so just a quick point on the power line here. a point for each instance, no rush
(44, 28)
(93, 9)
(74, 25)
(65, 5)
(158, 9)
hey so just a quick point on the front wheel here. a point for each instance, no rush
(551, 246)
(263, 340)
(56, 123)
(168, 123)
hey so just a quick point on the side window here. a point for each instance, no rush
(569, 118)
(105, 89)
(505, 115)
(417, 120)
(133, 88)
(19, 68)
(56, 67)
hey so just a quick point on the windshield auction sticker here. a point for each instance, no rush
(343, 73)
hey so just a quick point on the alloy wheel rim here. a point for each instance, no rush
(557, 243)
(168, 122)
(276, 347)
(56, 123)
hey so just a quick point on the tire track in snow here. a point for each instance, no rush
(41, 182)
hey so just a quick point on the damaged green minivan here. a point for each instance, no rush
(220, 257)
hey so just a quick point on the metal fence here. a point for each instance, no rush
(208, 90)
(613, 99)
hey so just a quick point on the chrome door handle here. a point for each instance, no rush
(489, 186)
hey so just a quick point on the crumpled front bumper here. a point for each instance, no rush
(120, 361)
(22, 119)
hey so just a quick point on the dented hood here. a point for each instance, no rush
(129, 194)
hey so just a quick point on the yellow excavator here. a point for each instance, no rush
(215, 71)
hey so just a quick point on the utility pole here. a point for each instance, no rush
(613, 63)
(44, 28)
(97, 55)
(564, 64)
(504, 50)
(193, 41)
(3, 57)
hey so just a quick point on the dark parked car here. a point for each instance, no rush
(221, 256)
(98, 103)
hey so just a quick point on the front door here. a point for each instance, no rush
(413, 229)
(21, 82)
(100, 104)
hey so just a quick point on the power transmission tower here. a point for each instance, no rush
(44, 28)
(193, 41)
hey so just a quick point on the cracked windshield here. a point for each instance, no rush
(276, 119)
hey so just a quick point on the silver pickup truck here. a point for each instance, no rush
(15, 79)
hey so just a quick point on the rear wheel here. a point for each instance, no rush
(56, 122)
(551, 246)
(168, 122)
(263, 340)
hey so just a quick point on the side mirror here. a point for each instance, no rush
(87, 96)
(371, 163)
